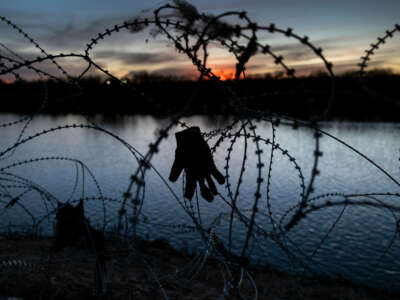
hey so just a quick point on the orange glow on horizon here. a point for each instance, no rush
(225, 75)
(7, 81)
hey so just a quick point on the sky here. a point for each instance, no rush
(344, 29)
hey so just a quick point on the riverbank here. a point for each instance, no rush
(302, 98)
(38, 273)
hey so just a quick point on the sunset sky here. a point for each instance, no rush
(342, 28)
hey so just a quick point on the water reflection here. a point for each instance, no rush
(353, 248)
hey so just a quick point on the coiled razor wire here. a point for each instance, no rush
(192, 34)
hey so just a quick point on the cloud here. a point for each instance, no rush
(297, 54)
(184, 71)
(139, 58)
(53, 33)
(72, 65)
(297, 51)
(72, 34)
(168, 71)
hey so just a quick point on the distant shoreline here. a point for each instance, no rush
(302, 98)
(120, 117)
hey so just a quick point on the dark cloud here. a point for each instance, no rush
(73, 66)
(298, 52)
(353, 65)
(338, 68)
(72, 34)
(140, 58)
(255, 66)
(66, 34)
(186, 72)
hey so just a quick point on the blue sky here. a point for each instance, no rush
(343, 28)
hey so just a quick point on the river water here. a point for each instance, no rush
(362, 245)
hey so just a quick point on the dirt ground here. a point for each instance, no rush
(38, 273)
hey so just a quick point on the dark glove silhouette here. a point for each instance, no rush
(193, 154)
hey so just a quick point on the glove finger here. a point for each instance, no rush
(217, 175)
(211, 185)
(190, 185)
(176, 170)
(205, 192)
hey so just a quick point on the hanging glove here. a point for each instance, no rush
(194, 156)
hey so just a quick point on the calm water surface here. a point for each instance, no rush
(356, 248)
